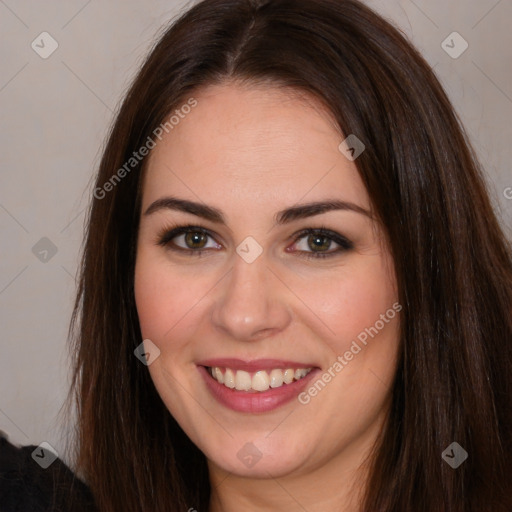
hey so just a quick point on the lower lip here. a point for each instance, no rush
(254, 402)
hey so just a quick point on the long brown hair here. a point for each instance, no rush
(453, 264)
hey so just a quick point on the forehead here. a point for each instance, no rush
(256, 145)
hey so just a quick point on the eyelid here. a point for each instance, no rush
(170, 232)
(344, 243)
(166, 234)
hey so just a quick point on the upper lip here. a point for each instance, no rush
(253, 365)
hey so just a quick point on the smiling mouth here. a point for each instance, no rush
(259, 381)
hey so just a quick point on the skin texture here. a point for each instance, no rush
(251, 151)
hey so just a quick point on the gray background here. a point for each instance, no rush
(55, 113)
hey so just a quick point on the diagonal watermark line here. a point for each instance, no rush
(196, 401)
(281, 422)
(15, 75)
(68, 272)
(192, 307)
(72, 220)
(13, 218)
(487, 13)
(424, 13)
(492, 81)
(177, 177)
(301, 301)
(378, 378)
(287, 492)
(223, 480)
(75, 15)
(310, 189)
(13, 279)
(85, 85)
(14, 423)
(13, 13)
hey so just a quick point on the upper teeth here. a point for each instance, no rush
(259, 381)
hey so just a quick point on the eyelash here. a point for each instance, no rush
(166, 235)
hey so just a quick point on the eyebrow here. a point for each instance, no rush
(285, 216)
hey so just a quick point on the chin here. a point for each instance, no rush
(260, 458)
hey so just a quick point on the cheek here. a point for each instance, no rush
(352, 391)
(360, 308)
(350, 303)
(363, 315)
(165, 298)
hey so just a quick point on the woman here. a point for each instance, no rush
(294, 294)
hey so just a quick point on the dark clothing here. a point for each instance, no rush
(26, 487)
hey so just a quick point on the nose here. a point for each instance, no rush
(251, 303)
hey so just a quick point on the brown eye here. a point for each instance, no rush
(321, 243)
(188, 239)
(195, 239)
(318, 242)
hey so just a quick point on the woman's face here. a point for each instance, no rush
(301, 327)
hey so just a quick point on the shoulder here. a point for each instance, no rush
(26, 485)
